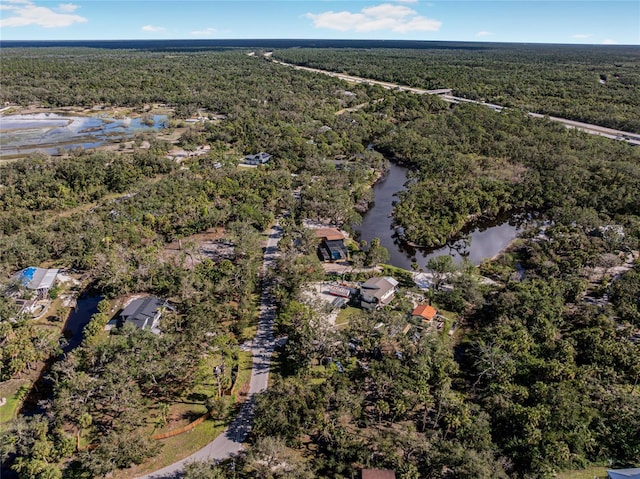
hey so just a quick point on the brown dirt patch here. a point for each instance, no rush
(198, 247)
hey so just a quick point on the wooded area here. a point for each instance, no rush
(542, 373)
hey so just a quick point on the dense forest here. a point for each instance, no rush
(542, 373)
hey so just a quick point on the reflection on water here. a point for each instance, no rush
(479, 244)
(86, 307)
(46, 132)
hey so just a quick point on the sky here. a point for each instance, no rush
(528, 21)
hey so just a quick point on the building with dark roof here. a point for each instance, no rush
(332, 247)
(257, 159)
(144, 313)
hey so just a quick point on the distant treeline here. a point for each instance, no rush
(215, 44)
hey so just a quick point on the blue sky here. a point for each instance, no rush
(532, 21)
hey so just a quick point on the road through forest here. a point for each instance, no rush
(230, 441)
(445, 94)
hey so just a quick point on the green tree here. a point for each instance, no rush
(376, 253)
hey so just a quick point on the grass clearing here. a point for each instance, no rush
(176, 448)
(588, 473)
(345, 315)
(249, 332)
(245, 364)
(317, 374)
(14, 391)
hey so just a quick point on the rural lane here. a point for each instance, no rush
(230, 441)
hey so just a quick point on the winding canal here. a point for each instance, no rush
(485, 241)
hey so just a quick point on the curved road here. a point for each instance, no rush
(230, 441)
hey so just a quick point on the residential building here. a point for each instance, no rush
(424, 313)
(332, 247)
(39, 280)
(144, 313)
(377, 292)
(633, 473)
(257, 159)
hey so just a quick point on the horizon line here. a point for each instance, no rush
(315, 39)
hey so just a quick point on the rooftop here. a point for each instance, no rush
(380, 282)
(425, 311)
(329, 234)
(38, 278)
(633, 473)
(378, 474)
(142, 312)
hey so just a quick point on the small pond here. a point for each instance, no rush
(484, 241)
(86, 307)
(47, 132)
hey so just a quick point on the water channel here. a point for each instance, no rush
(47, 132)
(86, 307)
(485, 240)
(42, 388)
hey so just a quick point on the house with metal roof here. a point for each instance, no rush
(633, 473)
(40, 280)
(424, 313)
(144, 313)
(377, 292)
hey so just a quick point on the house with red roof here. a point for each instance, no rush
(424, 313)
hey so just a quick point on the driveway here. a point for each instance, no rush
(230, 441)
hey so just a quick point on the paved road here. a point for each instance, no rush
(230, 441)
(445, 94)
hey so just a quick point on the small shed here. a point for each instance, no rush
(340, 291)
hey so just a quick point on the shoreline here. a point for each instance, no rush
(96, 138)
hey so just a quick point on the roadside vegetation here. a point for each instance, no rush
(589, 83)
(539, 376)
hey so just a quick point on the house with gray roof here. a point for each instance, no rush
(257, 159)
(633, 473)
(377, 292)
(40, 280)
(145, 313)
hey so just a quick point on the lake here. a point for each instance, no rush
(47, 132)
(484, 241)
